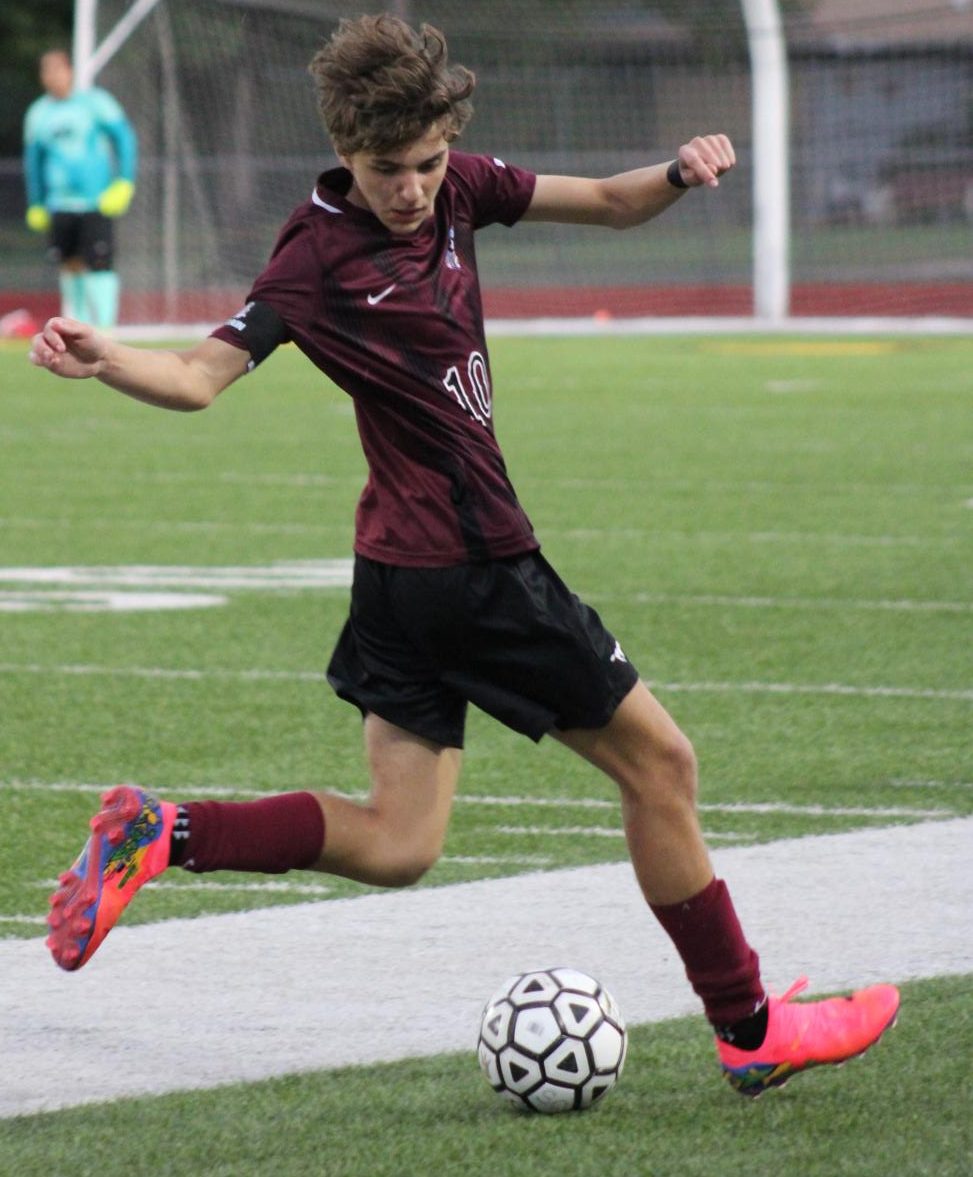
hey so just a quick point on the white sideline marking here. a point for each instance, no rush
(898, 325)
(962, 695)
(388, 976)
(722, 325)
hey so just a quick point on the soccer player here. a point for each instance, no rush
(374, 278)
(80, 156)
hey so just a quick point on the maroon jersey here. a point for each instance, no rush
(397, 322)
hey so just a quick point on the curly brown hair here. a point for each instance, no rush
(381, 85)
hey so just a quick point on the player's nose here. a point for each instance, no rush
(410, 188)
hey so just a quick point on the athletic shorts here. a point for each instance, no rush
(88, 236)
(506, 635)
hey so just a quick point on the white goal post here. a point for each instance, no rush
(768, 116)
(769, 111)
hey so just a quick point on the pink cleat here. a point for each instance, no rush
(129, 845)
(809, 1034)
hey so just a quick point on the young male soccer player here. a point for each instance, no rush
(374, 278)
(80, 156)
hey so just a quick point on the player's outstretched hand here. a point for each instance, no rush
(704, 159)
(68, 348)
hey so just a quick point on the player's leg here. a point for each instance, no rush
(389, 840)
(654, 766)
(761, 1041)
(642, 749)
(397, 834)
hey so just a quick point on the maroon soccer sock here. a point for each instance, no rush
(272, 835)
(721, 966)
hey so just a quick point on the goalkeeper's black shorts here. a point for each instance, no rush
(88, 236)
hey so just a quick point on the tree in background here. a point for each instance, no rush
(27, 28)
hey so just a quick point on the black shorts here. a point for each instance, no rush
(88, 236)
(506, 635)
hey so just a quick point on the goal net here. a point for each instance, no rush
(881, 157)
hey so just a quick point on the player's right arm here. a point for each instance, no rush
(180, 380)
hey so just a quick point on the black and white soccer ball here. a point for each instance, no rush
(552, 1040)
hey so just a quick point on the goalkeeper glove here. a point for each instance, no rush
(116, 198)
(38, 218)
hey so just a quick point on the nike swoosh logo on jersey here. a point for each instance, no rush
(375, 299)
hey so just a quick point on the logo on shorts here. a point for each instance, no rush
(618, 654)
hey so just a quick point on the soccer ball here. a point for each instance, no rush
(552, 1040)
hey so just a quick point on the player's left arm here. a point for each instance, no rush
(631, 198)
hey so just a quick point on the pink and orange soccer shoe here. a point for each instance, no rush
(809, 1034)
(129, 845)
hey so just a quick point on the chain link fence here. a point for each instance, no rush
(881, 161)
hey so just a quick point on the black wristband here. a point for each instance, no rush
(674, 176)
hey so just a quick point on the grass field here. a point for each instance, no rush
(779, 531)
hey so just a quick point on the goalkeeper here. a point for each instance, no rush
(80, 156)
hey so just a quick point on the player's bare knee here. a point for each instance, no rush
(665, 774)
(407, 871)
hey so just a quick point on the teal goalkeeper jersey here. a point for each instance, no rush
(74, 148)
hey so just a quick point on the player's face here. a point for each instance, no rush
(400, 187)
(56, 75)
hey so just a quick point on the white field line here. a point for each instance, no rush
(405, 974)
(929, 784)
(517, 801)
(776, 688)
(284, 575)
(962, 695)
(527, 860)
(723, 601)
(190, 526)
(106, 601)
(603, 832)
(698, 539)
